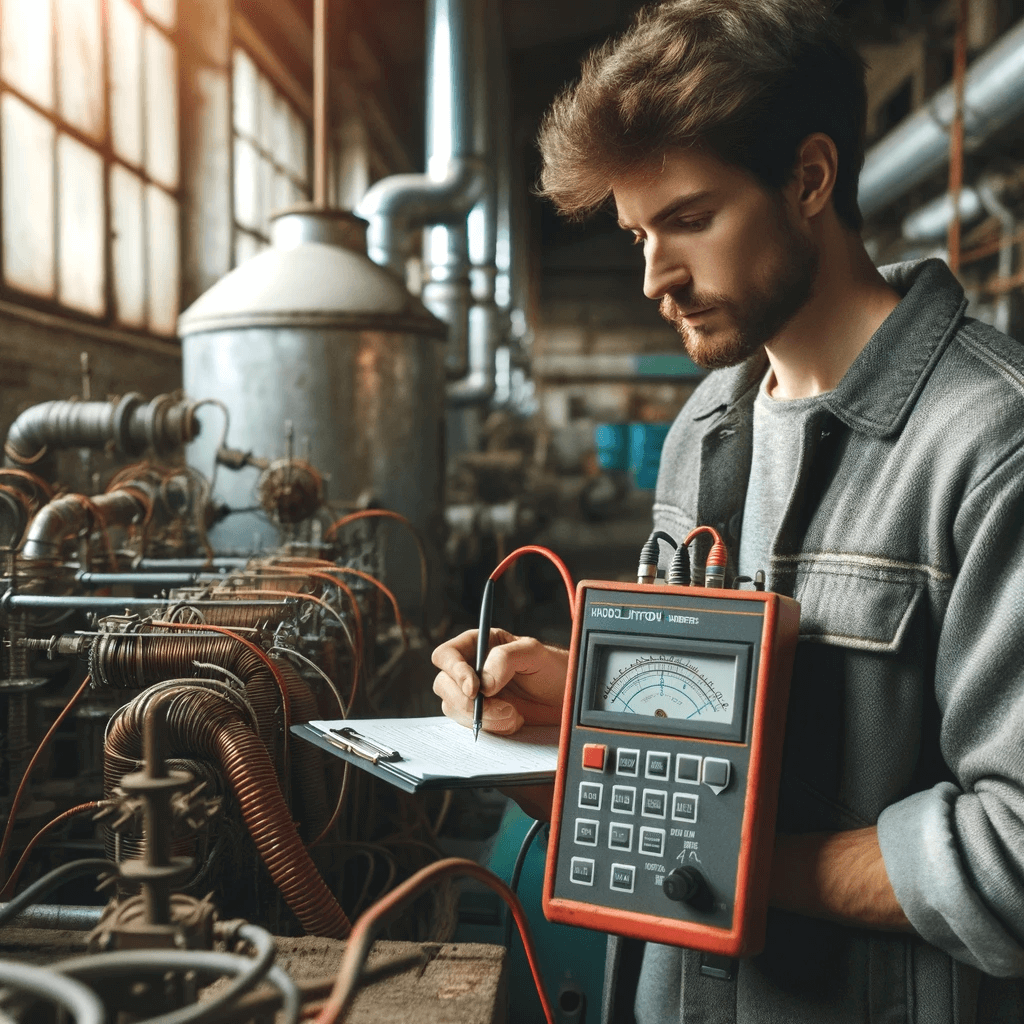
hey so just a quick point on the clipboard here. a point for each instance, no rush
(421, 754)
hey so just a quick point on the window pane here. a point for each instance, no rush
(298, 162)
(80, 64)
(246, 246)
(129, 248)
(281, 131)
(80, 218)
(284, 192)
(243, 83)
(126, 80)
(25, 52)
(247, 184)
(266, 193)
(164, 260)
(27, 167)
(161, 109)
(163, 11)
(266, 114)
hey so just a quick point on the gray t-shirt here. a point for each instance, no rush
(778, 435)
(777, 438)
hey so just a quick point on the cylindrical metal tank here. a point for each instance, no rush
(313, 333)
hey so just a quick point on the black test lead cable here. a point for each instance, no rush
(483, 643)
(484, 633)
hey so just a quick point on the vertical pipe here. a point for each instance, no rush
(956, 134)
(320, 103)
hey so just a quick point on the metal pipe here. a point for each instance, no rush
(400, 204)
(180, 564)
(1008, 225)
(165, 424)
(320, 103)
(919, 145)
(930, 222)
(57, 917)
(146, 579)
(40, 602)
(484, 323)
(70, 514)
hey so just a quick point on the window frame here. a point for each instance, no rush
(288, 90)
(103, 146)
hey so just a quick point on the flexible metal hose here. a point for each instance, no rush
(82, 1003)
(202, 722)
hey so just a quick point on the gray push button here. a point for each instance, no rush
(652, 841)
(684, 807)
(624, 799)
(655, 803)
(586, 832)
(716, 773)
(627, 762)
(657, 764)
(623, 876)
(620, 836)
(688, 768)
(590, 795)
(582, 871)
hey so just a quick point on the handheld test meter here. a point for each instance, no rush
(664, 810)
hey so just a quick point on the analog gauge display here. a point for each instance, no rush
(698, 687)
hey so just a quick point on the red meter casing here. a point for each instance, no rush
(669, 758)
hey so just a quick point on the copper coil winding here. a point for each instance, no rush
(137, 660)
(309, 782)
(201, 722)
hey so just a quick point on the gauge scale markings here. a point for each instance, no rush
(662, 686)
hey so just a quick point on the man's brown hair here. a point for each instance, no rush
(747, 79)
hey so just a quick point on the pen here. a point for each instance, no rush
(483, 642)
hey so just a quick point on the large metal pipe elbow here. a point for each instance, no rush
(398, 205)
(70, 514)
(165, 424)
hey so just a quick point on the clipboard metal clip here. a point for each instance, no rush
(356, 744)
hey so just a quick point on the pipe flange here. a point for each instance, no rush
(121, 421)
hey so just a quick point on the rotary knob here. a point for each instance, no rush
(687, 885)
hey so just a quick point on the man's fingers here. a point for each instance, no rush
(523, 655)
(457, 658)
(453, 658)
(499, 716)
(452, 694)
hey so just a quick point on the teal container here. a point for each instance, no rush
(612, 441)
(570, 958)
(645, 443)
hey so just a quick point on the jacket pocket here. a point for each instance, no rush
(858, 602)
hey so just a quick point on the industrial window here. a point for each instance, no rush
(89, 157)
(271, 154)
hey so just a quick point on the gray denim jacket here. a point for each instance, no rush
(903, 540)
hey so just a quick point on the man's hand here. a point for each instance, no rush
(529, 675)
(839, 876)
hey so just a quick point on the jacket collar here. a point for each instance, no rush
(878, 391)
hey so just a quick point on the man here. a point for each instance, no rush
(861, 440)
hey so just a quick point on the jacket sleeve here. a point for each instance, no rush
(955, 853)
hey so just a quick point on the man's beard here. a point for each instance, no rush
(755, 319)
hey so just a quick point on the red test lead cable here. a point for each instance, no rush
(714, 565)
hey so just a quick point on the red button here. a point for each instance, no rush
(593, 756)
